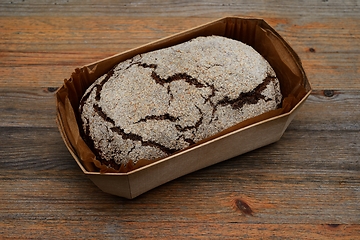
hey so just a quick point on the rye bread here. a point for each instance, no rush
(157, 103)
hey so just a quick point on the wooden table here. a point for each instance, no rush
(307, 185)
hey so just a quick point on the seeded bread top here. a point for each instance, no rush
(160, 102)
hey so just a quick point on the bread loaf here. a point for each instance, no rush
(157, 103)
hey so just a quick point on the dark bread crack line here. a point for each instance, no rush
(213, 65)
(98, 90)
(144, 65)
(135, 137)
(188, 140)
(101, 84)
(251, 97)
(195, 126)
(89, 141)
(208, 99)
(131, 150)
(170, 94)
(83, 100)
(175, 77)
(165, 116)
(131, 136)
(99, 154)
(102, 114)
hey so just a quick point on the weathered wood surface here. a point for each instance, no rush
(306, 186)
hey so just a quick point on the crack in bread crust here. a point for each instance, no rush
(251, 97)
(100, 86)
(175, 77)
(195, 126)
(135, 137)
(165, 116)
(131, 136)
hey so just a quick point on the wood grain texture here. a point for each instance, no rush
(305, 186)
(183, 8)
(28, 45)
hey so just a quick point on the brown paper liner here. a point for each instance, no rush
(254, 32)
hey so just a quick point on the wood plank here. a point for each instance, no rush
(33, 148)
(334, 64)
(327, 110)
(43, 50)
(184, 8)
(27, 107)
(119, 229)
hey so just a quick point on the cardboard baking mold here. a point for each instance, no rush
(133, 180)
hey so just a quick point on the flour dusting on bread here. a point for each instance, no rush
(157, 103)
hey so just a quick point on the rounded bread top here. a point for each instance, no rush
(157, 103)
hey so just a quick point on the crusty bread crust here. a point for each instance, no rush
(157, 103)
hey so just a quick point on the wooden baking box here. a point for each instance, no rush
(245, 136)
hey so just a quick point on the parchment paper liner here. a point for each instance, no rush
(254, 32)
